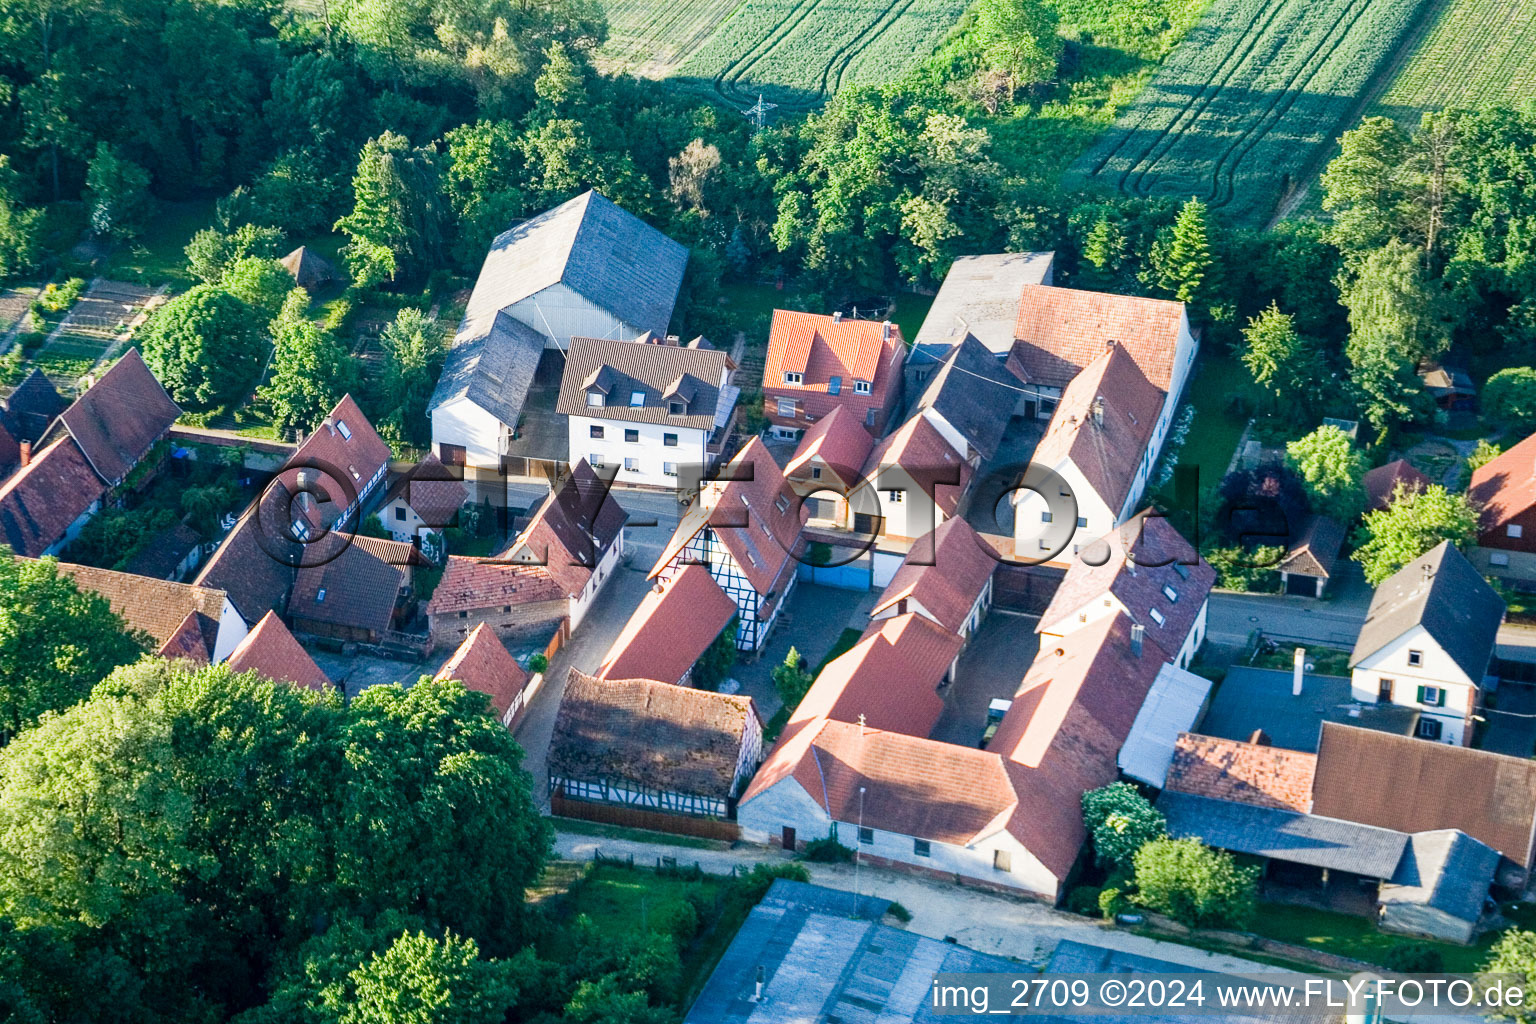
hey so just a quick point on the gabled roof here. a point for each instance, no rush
(674, 625)
(32, 406)
(890, 677)
(666, 737)
(482, 664)
(925, 459)
(609, 257)
(1103, 424)
(118, 419)
(654, 370)
(571, 531)
(357, 588)
(164, 553)
(432, 490)
(1441, 591)
(821, 347)
(1380, 482)
(839, 442)
(156, 607)
(1059, 331)
(1505, 486)
(753, 511)
(1315, 549)
(973, 391)
(944, 572)
(271, 652)
(1285, 835)
(10, 448)
(255, 563)
(309, 268)
(493, 368)
(1133, 563)
(473, 583)
(1172, 707)
(345, 447)
(1248, 773)
(40, 501)
(1445, 869)
(980, 297)
(1413, 785)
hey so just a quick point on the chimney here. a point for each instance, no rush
(885, 331)
(1260, 738)
(837, 317)
(1098, 411)
(1298, 669)
(1138, 631)
(757, 987)
(26, 453)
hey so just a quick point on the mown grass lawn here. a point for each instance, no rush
(1214, 433)
(158, 255)
(1355, 937)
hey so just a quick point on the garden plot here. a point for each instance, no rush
(92, 328)
(1239, 112)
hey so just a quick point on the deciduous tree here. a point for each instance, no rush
(1509, 399)
(1332, 468)
(1413, 522)
(311, 371)
(1121, 822)
(1194, 884)
(205, 346)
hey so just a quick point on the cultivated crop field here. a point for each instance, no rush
(1239, 111)
(798, 52)
(1477, 51)
(651, 37)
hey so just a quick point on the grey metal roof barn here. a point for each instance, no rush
(1284, 835)
(1445, 869)
(494, 370)
(980, 297)
(1441, 591)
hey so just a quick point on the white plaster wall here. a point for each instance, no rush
(462, 422)
(598, 580)
(232, 629)
(650, 449)
(1437, 669)
(1029, 530)
(560, 313)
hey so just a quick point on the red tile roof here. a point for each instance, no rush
(482, 664)
(358, 588)
(837, 441)
(890, 677)
(271, 652)
(1380, 482)
(159, 608)
(118, 419)
(572, 530)
(1247, 773)
(944, 572)
(353, 461)
(673, 626)
(255, 564)
(469, 584)
(1505, 486)
(1107, 449)
(187, 642)
(1060, 331)
(40, 501)
(743, 508)
(1132, 565)
(432, 490)
(928, 460)
(820, 347)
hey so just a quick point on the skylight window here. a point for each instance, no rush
(1170, 593)
(344, 430)
(835, 386)
(636, 399)
(1157, 617)
(320, 596)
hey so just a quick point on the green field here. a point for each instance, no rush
(1477, 51)
(1240, 111)
(794, 53)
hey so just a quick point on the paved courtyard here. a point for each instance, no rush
(991, 666)
(811, 623)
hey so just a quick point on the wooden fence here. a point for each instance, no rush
(636, 817)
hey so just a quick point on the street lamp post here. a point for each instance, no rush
(858, 841)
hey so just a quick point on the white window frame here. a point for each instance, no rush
(790, 377)
(1434, 696)
(1416, 658)
(861, 387)
(1514, 530)
(632, 465)
(895, 496)
(1171, 594)
(669, 469)
(594, 399)
(1157, 616)
(595, 460)
(787, 407)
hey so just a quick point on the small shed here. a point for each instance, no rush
(1309, 563)
(310, 270)
(1173, 705)
(1451, 387)
(1440, 886)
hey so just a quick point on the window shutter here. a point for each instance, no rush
(1421, 695)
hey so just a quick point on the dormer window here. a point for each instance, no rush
(344, 430)
(594, 398)
(835, 386)
(861, 387)
(636, 399)
(793, 378)
(677, 408)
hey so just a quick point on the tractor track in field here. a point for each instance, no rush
(736, 69)
(849, 50)
(1223, 189)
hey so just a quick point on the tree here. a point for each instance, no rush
(1392, 305)
(1121, 822)
(426, 980)
(791, 680)
(484, 161)
(1104, 251)
(1413, 522)
(205, 346)
(690, 173)
(414, 353)
(20, 227)
(56, 642)
(1194, 884)
(1362, 188)
(1181, 263)
(117, 194)
(259, 282)
(1515, 953)
(1485, 452)
(396, 210)
(718, 658)
(1331, 468)
(311, 370)
(211, 251)
(1018, 41)
(1509, 399)
(1280, 360)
